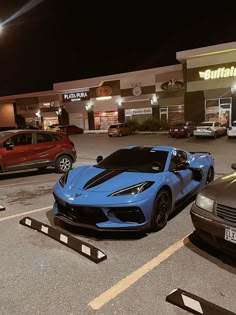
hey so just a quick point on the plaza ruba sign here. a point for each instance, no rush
(76, 96)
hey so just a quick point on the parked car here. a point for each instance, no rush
(119, 130)
(232, 130)
(27, 127)
(212, 129)
(214, 213)
(182, 129)
(134, 188)
(28, 149)
(71, 129)
(53, 127)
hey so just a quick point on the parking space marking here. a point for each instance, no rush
(29, 182)
(24, 213)
(129, 280)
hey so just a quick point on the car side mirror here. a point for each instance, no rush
(99, 158)
(9, 145)
(182, 166)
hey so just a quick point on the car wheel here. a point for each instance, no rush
(63, 164)
(210, 175)
(161, 210)
(215, 135)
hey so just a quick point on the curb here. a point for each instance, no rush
(195, 304)
(85, 249)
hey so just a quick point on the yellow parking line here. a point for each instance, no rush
(24, 213)
(129, 280)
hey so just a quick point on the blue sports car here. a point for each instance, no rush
(134, 188)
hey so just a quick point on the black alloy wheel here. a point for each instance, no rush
(161, 210)
(210, 175)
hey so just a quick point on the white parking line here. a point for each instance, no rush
(24, 213)
(129, 280)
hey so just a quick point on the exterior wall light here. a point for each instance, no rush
(102, 98)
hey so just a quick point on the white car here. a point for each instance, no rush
(232, 130)
(212, 129)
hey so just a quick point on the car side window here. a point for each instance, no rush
(44, 137)
(21, 139)
(177, 157)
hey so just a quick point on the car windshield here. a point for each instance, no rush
(4, 134)
(138, 159)
(179, 124)
(206, 124)
(114, 126)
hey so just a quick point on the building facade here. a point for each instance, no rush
(210, 83)
(201, 87)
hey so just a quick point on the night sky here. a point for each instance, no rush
(65, 40)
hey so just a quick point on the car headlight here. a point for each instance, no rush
(63, 179)
(132, 190)
(205, 202)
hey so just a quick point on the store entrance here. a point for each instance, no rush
(225, 117)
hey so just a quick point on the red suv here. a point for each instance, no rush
(28, 149)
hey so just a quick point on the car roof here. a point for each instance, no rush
(154, 147)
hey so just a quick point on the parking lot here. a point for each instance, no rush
(42, 276)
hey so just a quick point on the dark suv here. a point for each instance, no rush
(182, 129)
(28, 149)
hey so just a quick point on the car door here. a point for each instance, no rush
(183, 183)
(16, 151)
(43, 148)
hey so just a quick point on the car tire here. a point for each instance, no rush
(63, 164)
(210, 175)
(161, 210)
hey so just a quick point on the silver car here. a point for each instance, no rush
(232, 130)
(212, 129)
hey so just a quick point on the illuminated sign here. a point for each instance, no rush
(102, 91)
(217, 74)
(172, 84)
(76, 96)
(141, 111)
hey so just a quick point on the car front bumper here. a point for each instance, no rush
(212, 230)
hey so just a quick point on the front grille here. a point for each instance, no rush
(93, 215)
(226, 213)
(82, 214)
(127, 214)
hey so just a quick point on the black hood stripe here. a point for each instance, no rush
(101, 178)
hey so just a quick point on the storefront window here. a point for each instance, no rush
(219, 110)
(138, 114)
(212, 110)
(103, 120)
(172, 114)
